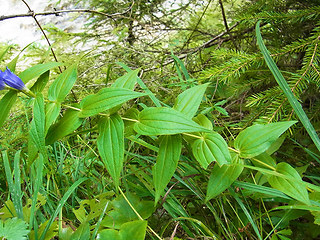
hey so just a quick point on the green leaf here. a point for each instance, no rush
(60, 88)
(13, 229)
(189, 101)
(166, 163)
(131, 230)
(111, 145)
(6, 104)
(122, 212)
(66, 125)
(211, 147)
(202, 120)
(287, 90)
(37, 129)
(41, 82)
(52, 112)
(221, 178)
(258, 138)
(82, 233)
(165, 121)
(4, 51)
(37, 70)
(127, 81)
(106, 99)
(294, 188)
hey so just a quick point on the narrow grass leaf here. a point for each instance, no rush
(106, 99)
(66, 125)
(211, 148)
(189, 101)
(36, 188)
(165, 121)
(60, 205)
(286, 89)
(258, 138)
(63, 84)
(6, 104)
(293, 188)
(17, 194)
(221, 178)
(246, 212)
(166, 163)
(111, 145)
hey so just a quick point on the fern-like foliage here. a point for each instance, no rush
(13, 229)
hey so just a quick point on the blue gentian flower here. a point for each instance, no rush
(11, 80)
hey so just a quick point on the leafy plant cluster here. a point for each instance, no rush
(165, 155)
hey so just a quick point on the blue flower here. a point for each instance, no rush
(11, 80)
(1, 84)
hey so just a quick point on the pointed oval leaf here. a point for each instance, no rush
(189, 101)
(258, 138)
(63, 84)
(292, 186)
(111, 145)
(202, 120)
(166, 163)
(52, 112)
(127, 81)
(211, 148)
(165, 121)
(37, 130)
(221, 178)
(37, 70)
(106, 99)
(66, 125)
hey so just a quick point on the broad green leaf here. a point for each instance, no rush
(189, 101)
(62, 85)
(202, 120)
(165, 121)
(264, 160)
(41, 82)
(258, 138)
(6, 104)
(127, 81)
(82, 233)
(131, 230)
(293, 188)
(37, 130)
(111, 145)
(106, 99)
(37, 70)
(166, 163)
(13, 229)
(66, 125)
(211, 147)
(221, 178)
(52, 112)
(122, 212)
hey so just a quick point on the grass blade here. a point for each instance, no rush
(286, 89)
(60, 205)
